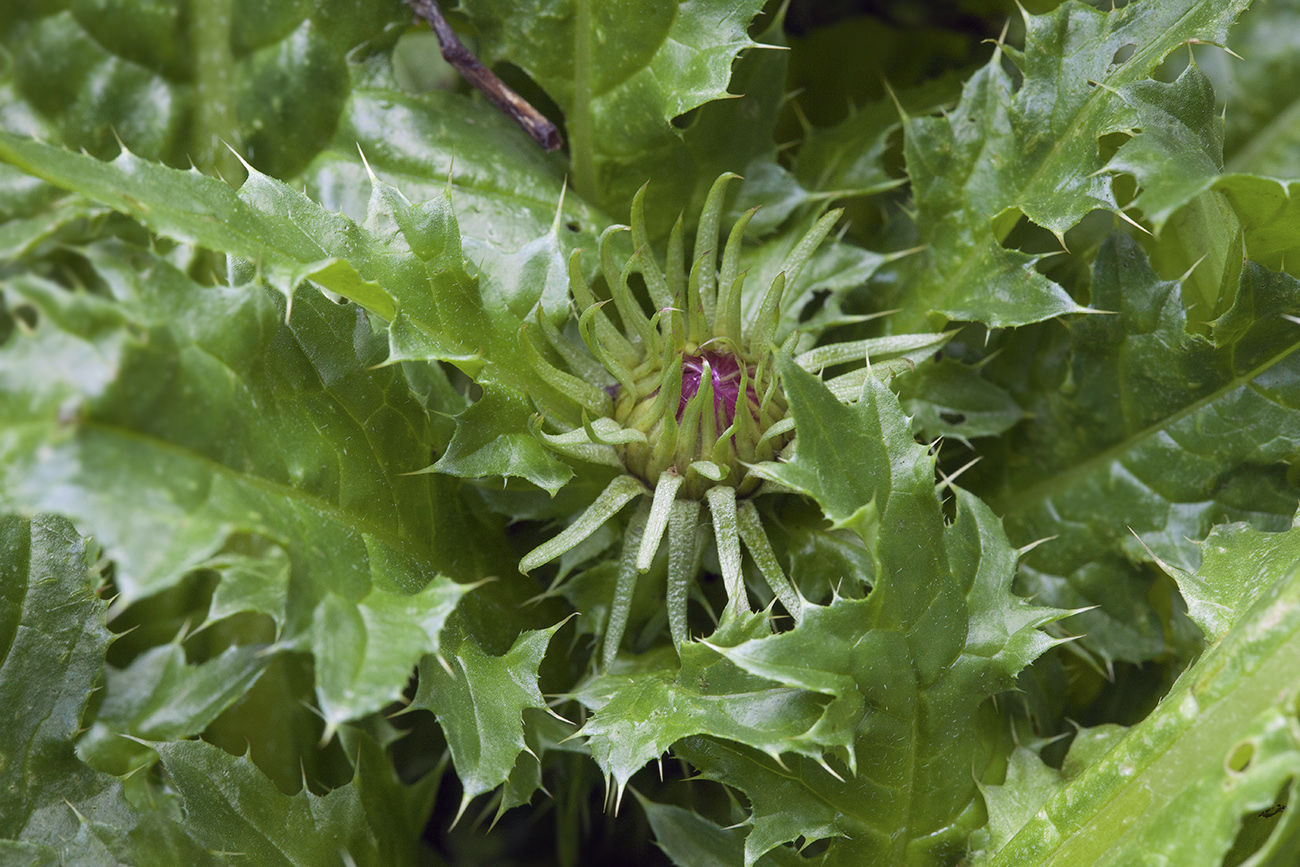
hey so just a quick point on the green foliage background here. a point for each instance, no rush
(267, 461)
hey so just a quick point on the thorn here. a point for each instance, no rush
(902, 112)
(243, 162)
(1126, 218)
(559, 207)
(949, 479)
(81, 817)
(821, 760)
(1032, 545)
(365, 162)
(464, 802)
(1189, 271)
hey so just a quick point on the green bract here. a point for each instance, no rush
(911, 482)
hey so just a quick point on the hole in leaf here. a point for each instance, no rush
(1109, 143)
(1124, 53)
(1258, 826)
(1239, 759)
(573, 226)
(952, 417)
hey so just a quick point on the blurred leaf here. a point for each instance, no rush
(160, 697)
(1218, 753)
(1262, 120)
(691, 840)
(366, 650)
(230, 807)
(1145, 436)
(951, 399)
(173, 81)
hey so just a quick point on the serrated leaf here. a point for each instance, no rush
(844, 461)
(275, 450)
(404, 264)
(54, 639)
(906, 668)
(252, 583)
(175, 83)
(1145, 435)
(160, 697)
(479, 704)
(620, 72)
(1238, 566)
(1034, 151)
(1218, 753)
(1180, 149)
(691, 840)
(53, 808)
(848, 159)
(231, 807)
(365, 650)
(493, 439)
(639, 715)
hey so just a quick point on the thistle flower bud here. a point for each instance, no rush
(684, 401)
(704, 419)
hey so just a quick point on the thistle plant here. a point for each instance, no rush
(685, 400)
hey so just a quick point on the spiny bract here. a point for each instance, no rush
(693, 406)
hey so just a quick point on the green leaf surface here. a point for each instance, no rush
(479, 701)
(174, 82)
(1219, 752)
(1200, 436)
(504, 188)
(161, 697)
(298, 440)
(365, 650)
(1032, 150)
(620, 72)
(907, 668)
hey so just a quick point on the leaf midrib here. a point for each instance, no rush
(363, 525)
(1063, 480)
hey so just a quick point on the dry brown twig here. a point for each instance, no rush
(463, 61)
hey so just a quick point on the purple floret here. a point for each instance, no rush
(725, 370)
